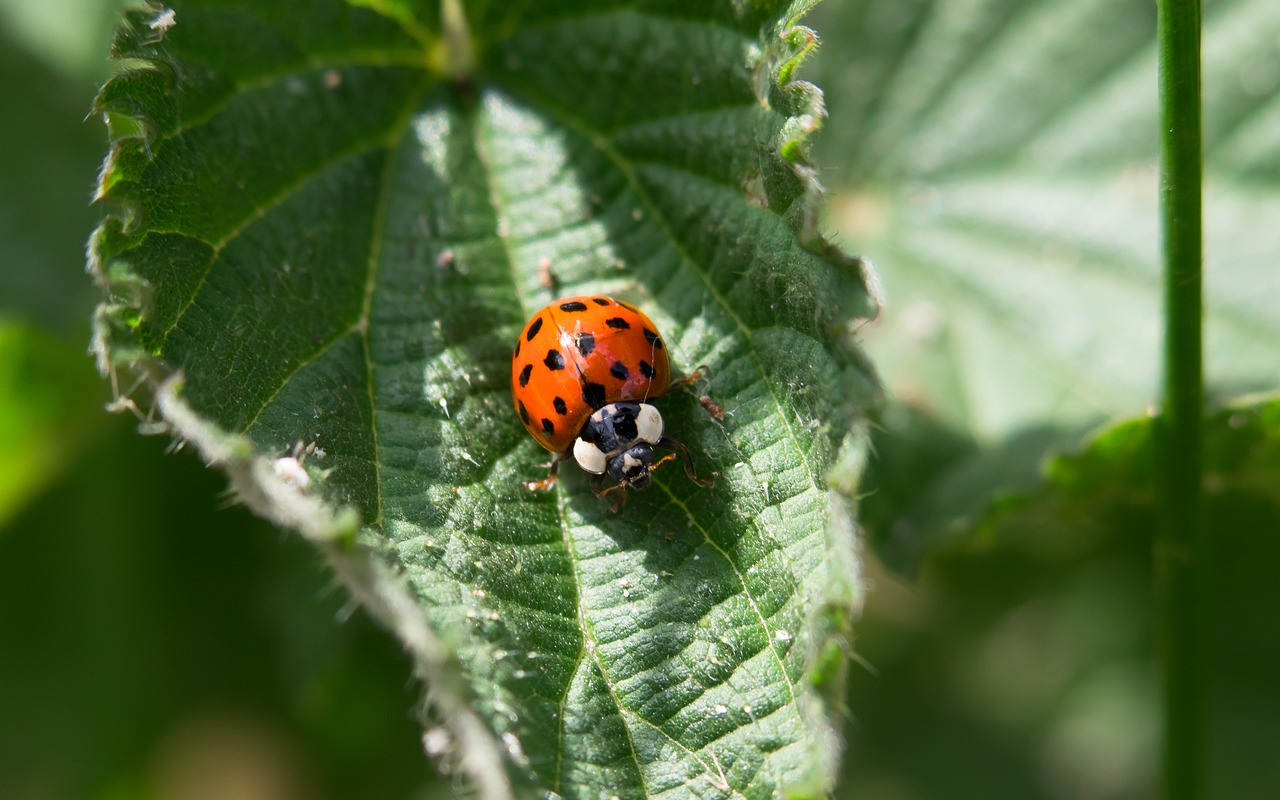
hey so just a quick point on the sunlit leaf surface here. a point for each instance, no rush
(335, 222)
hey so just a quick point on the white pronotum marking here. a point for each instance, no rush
(589, 457)
(649, 424)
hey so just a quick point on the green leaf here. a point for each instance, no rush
(1116, 468)
(998, 161)
(1028, 644)
(332, 234)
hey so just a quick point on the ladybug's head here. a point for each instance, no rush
(632, 466)
(618, 440)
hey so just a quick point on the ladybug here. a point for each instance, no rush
(583, 371)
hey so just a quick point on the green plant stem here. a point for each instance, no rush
(1179, 550)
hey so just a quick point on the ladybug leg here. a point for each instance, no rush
(671, 444)
(597, 481)
(696, 375)
(552, 473)
(618, 501)
(711, 406)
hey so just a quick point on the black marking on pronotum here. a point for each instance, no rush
(590, 432)
(561, 407)
(593, 394)
(624, 424)
(534, 327)
(586, 343)
(524, 412)
(600, 301)
(548, 426)
(647, 370)
(574, 306)
(554, 360)
(619, 371)
(617, 322)
(654, 340)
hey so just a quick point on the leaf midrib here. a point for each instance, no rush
(603, 143)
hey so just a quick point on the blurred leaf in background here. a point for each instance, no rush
(51, 62)
(155, 641)
(997, 160)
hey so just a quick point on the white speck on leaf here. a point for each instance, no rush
(163, 21)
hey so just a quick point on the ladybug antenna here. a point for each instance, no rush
(661, 461)
(602, 492)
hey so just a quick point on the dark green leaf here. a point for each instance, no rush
(335, 230)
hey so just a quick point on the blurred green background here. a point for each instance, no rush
(157, 641)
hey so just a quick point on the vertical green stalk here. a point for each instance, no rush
(1180, 546)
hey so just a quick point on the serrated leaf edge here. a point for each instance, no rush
(374, 582)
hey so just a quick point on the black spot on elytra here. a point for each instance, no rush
(654, 340)
(619, 371)
(533, 330)
(516, 354)
(548, 426)
(586, 343)
(617, 322)
(561, 408)
(554, 360)
(647, 370)
(574, 306)
(600, 301)
(593, 394)
(524, 412)
(524, 375)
